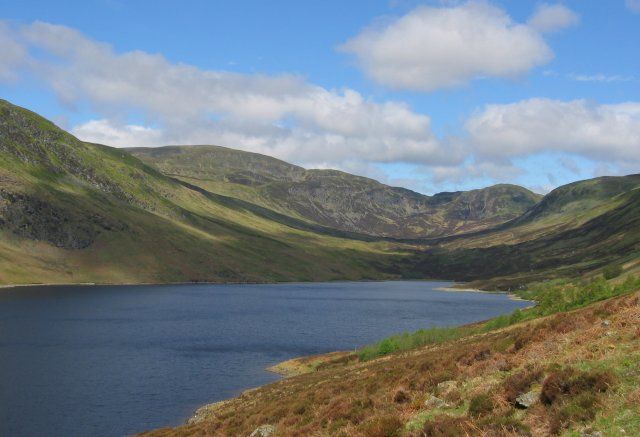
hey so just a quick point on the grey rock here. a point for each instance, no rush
(525, 400)
(591, 433)
(606, 322)
(446, 386)
(205, 412)
(435, 402)
(263, 431)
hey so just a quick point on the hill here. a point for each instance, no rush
(574, 230)
(336, 199)
(71, 211)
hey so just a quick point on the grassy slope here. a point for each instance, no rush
(570, 237)
(583, 367)
(150, 228)
(337, 199)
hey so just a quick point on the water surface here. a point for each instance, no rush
(115, 360)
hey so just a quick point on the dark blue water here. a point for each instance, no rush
(113, 360)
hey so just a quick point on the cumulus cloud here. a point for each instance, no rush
(12, 55)
(283, 115)
(600, 132)
(551, 18)
(142, 99)
(439, 47)
(127, 135)
(599, 77)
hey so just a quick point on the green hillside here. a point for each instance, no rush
(576, 229)
(77, 212)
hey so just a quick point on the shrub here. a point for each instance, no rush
(612, 271)
(572, 396)
(520, 382)
(407, 341)
(388, 425)
(504, 426)
(481, 405)
(569, 383)
(582, 408)
(401, 397)
(447, 426)
(471, 357)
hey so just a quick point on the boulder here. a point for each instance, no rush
(591, 433)
(525, 400)
(446, 386)
(205, 412)
(263, 431)
(435, 402)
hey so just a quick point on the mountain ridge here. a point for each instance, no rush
(338, 199)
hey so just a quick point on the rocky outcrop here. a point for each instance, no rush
(526, 400)
(35, 219)
(435, 402)
(263, 431)
(205, 412)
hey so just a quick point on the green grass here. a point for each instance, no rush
(550, 298)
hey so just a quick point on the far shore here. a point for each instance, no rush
(455, 288)
(100, 284)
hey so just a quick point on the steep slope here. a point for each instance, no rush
(337, 199)
(77, 212)
(578, 199)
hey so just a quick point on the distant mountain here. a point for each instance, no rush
(337, 199)
(576, 229)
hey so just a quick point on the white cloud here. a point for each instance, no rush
(551, 18)
(292, 119)
(12, 55)
(475, 170)
(599, 132)
(104, 132)
(283, 116)
(633, 5)
(599, 77)
(438, 47)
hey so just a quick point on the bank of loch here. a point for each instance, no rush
(536, 374)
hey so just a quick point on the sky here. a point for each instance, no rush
(429, 95)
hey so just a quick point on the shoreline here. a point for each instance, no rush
(109, 284)
(510, 294)
(310, 363)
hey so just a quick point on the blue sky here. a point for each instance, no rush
(575, 72)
